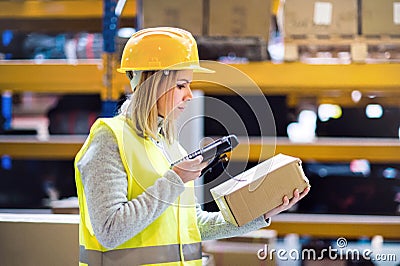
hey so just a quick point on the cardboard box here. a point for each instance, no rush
(259, 189)
(215, 47)
(310, 17)
(238, 18)
(39, 239)
(185, 14)
(380, 17)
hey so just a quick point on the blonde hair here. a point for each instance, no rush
(142, 111)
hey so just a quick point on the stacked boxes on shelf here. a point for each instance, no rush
(186, 14)
(222, 28)
(380, 18)
(334, 24)
(380, 28)
(240, 18)
(310, 22)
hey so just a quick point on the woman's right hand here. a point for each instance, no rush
(189, 170)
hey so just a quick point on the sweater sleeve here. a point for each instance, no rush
(212, 225)
(114, 218)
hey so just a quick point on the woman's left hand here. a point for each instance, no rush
(287, 204)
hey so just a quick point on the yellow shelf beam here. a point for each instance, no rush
(330, 150)
(324, 149)
(295, 79)
(55, 148)
(53, 76)
(334, 226)
(306, 79)
(59, 9)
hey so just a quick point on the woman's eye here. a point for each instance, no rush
(180, 86)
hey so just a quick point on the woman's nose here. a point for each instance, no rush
(188, 94)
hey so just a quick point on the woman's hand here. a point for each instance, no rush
(287, 204)
(189, 170)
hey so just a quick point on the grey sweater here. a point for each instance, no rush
(115, 219)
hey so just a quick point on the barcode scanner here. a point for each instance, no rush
(215, 151)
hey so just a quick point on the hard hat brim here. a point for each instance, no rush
(195, 68)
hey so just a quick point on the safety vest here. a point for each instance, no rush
(172, 239)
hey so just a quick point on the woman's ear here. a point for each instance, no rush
(134, 79)
(129, 74)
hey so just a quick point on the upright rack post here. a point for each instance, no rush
(109, 94)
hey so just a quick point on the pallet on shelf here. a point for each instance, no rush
(380, 29)
(343, 49)
(225, 48)
(317, 24)
(312, 45)
(377, 48)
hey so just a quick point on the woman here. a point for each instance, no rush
(134, 208)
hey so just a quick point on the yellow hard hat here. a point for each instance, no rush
(161, 48)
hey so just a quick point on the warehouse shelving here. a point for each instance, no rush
(30, 147)
(332, 226)
(86, 76)
(315, 78)
(332, 83)
(59, 15)
(329, 226)
(60, 9)
(52, 76)
(324, 149)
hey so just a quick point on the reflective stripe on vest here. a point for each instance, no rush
(141, 255)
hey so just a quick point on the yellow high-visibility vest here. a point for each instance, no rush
(172, 239)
